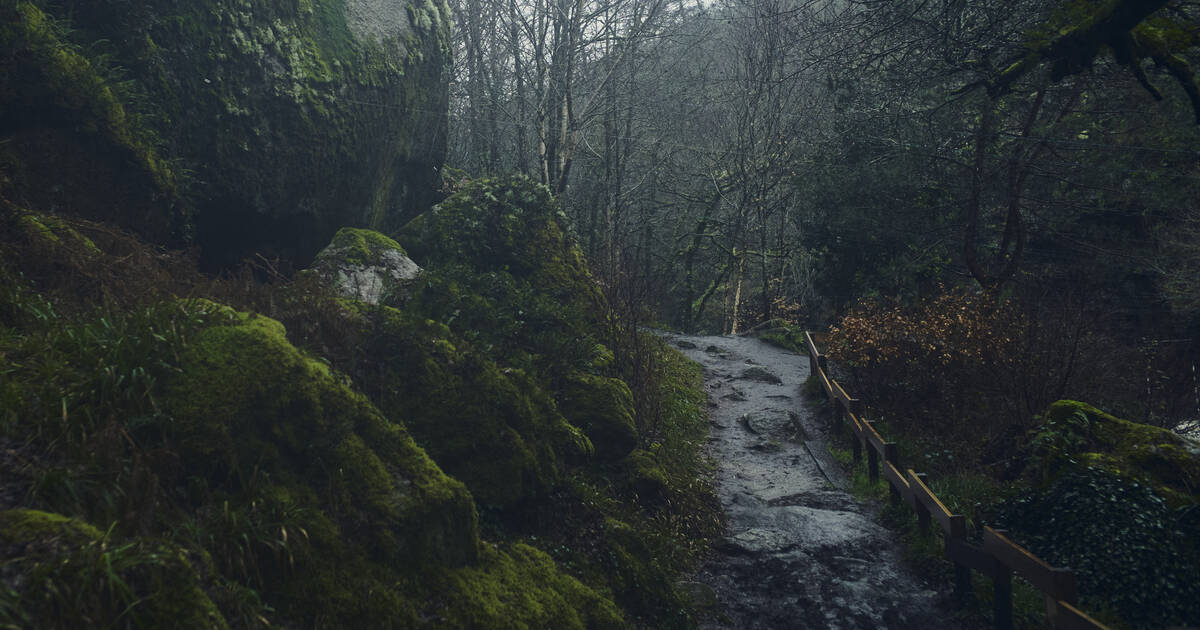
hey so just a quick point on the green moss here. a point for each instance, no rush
(53, 230)
(491, 427)
(248, 402)
(518, 588)
(69, 165)
(1077, 432)
(362, 247)
(305, 489)
(603, 408)
(503, 275)
(300, 501)
(645, 477)
(33, 525)
(70, 572)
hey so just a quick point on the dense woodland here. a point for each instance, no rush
(733, 162)
(334, 313)
(986, 207)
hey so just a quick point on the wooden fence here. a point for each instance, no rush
(999, 558)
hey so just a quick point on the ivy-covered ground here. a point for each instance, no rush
(1114, 501)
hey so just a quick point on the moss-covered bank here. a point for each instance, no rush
(337, 464)
(284, 494)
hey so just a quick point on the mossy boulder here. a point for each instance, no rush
(603, 408)
(493, 428)
(505, 274)
(780, 334)
(249, 407)
(294, 118)
(367, 266)
(1077, 433)
(1117, 502)
(1132, 554)
(507, 224)
(645, 477)
(60, 572)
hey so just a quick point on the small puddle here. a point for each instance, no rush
(800, 551)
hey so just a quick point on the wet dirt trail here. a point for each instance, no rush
(800, 551)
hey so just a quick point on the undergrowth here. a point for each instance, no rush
(924, 551)
(89, 340)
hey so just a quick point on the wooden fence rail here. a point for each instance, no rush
(998, 559)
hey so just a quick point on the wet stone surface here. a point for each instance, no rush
(800, 552)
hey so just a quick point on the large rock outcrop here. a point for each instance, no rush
(253, 126)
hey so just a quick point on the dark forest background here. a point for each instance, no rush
(1008, 187)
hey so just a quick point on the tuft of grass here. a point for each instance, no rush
(786, 337)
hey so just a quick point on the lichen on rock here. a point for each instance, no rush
(380, 21)
(367, 266)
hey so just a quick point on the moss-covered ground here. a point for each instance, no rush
(273, 453)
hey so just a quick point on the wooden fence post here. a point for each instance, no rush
(891, 454)
(1064, 590)
(922, 511)
(856, 446)
(962, 574)
(999, 558)
(872, 458)
(1002, 598)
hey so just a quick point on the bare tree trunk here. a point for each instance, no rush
(521, 127)
(737, 293)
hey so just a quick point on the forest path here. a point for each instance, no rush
(801, 552)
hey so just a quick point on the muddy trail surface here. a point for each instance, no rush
(800, 551)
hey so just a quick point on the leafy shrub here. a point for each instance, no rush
(1128, 550)
(948, 331)
(974, 372)
(930, 361)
